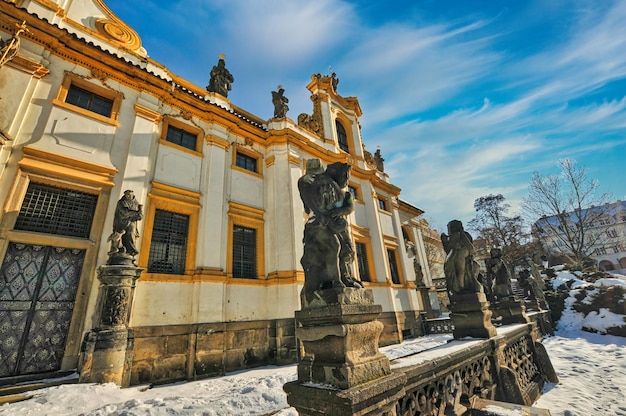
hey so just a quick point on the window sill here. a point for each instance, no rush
(83, 112)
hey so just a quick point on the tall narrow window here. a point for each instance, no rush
(342, 137)
(244, 252)
(354, 191)
(89, 101)
(382, 204)
(181, 137)
(361, 258)
(168, 247)
(393, 266)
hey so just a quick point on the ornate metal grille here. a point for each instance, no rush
(361, 258)
(38, 287)
(51, 210)
(244, 252)
(168, 248)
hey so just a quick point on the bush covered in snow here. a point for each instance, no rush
(594, 302)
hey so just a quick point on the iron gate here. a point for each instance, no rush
(38, 287)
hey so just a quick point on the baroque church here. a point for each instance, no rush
(86, 115)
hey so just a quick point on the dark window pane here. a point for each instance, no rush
(56, 211)
(89, 101)
(246, 162)
(354, 192)
(342, 137)
(244, 252)
(382, 204)
(393, 266)
(168, 247)
(181, 137)
(361, 258)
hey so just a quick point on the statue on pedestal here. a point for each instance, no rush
(460, 268)
(123, 239)
(280, 103)
(498, 274)
(328, 252)
(221, 78)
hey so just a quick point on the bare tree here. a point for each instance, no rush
(499, 229)
(566, 208)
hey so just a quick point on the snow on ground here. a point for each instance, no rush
(591, 370)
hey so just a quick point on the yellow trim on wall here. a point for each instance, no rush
(73, 79)
(245, 216)
(199, 133)
(237, 148)
(362, 235)
(180, 201)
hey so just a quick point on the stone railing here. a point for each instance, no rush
(438, 326)
(445, 326)
(510, 367)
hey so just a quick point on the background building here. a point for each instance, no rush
(606, 233)
(85, 114)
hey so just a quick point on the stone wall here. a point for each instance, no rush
(187, 352)
(177, 352)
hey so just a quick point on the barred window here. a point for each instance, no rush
(181, 137)
(51, 210)
(244, 252)
(89, 101)
(246, 162)
(393, 266)
(168, 248)
(361, 258)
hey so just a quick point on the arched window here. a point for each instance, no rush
(342, 137)
(606, 265)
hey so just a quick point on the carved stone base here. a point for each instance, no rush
(106, 357)
(374, 398)
(107, 350)
(471, 316)
(340, 339)
(510, 310)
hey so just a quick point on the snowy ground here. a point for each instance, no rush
(591, 369)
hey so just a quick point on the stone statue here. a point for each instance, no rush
(280, 103)
(379, 161)
(127, 212)
(532, 288)
(328, 252)
(460, 268)
(335, 81)
(221, 79)
(498, 273)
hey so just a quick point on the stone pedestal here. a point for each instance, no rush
(342, 371)
(471, 316)
(106, 353)
(510, 310)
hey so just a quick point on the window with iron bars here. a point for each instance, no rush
(51, 210)
(244, 252)
(361, 258)
(168, 247)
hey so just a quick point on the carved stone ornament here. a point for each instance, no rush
(328, 252)
(118, 32)
(313, 122)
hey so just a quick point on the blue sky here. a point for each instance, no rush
(464, 98)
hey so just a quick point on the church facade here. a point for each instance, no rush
(86, 115)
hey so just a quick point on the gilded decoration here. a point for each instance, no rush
(313, 122)
(118, 32)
